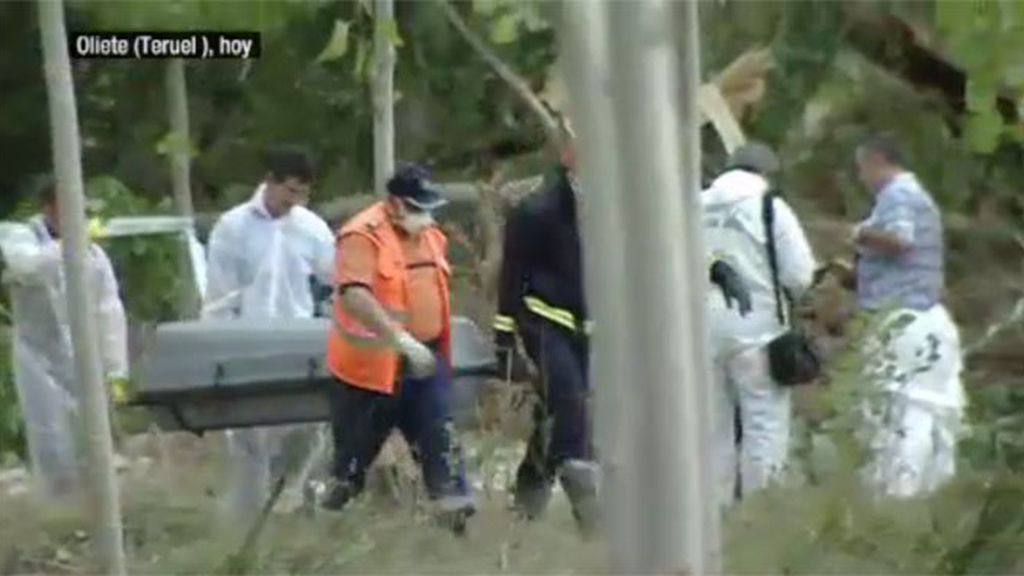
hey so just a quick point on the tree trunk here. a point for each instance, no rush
(177, 104)
(81, 303)
(666, 292)
(383, 96)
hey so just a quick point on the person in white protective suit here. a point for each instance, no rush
(916, 402)
(262, 257)
(735, 233)
(44, 370)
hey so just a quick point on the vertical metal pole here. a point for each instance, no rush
(666, 284)
(177, 109)
(585, 66)
(80, 302)
(383, 96)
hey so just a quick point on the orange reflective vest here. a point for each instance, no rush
(355, 354)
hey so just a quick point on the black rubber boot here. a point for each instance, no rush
(531, 501)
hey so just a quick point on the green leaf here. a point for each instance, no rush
(505, 29)
(953, 14)
(362, 55)
(390, 29)
(533, 18)
(337, 46)
(981, 94)
(174, 143)
(486, 7)
(983, 131)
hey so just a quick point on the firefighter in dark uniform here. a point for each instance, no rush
(541, 298)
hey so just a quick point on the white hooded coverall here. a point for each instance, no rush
(260, 267)
(734, 231)
(44, 369)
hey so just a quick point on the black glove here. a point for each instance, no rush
(512, 366)
(732, 286)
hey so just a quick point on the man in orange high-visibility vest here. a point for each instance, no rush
(390, 346)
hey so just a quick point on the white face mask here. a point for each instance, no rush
(416, 222)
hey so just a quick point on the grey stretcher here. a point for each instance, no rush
(212, 375)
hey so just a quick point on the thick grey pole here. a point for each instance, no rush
(688, 47)
(383, 95)
(67, 162)
(666, 283)
(585, 67)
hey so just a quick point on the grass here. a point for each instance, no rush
(172, 525)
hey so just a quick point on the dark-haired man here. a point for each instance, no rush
(262, 255)
(915, 358)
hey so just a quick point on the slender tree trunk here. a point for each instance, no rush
(383, 96)
(666, 292)
(177, 104)
(586, 69)
(81, 303)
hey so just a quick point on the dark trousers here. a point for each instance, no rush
(362, 420)
(561, 419)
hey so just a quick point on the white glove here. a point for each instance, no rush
(422, 362)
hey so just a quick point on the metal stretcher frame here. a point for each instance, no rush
(201, 376)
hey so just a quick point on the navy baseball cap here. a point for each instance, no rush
(411, 184)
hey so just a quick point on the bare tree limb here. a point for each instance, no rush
(504, 71)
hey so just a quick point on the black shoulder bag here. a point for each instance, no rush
(793, 359)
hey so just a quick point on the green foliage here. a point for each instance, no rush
(833, 525)
(12, 428)
(337, 46)
(987, 39)
(997, 435)
(147, 266)
(175, 15)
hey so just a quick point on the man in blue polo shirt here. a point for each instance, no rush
(914, 357)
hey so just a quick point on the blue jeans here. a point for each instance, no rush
(361, 421)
